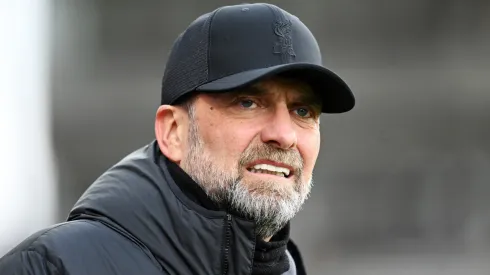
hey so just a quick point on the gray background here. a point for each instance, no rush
(402, 182)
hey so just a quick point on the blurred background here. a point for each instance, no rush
(402, 182)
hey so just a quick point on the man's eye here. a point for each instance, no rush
(247, 103)
(303, 112)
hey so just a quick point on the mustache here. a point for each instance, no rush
(267, 151)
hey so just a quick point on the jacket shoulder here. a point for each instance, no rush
(48, 250)
(23, 262)
(76, 247)
(31, 257)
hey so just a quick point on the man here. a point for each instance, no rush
(237, 137)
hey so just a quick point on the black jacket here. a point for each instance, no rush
(136, 220)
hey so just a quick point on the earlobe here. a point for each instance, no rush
(167, 132)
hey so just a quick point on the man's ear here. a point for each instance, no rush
(170, 131)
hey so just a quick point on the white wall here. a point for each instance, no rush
(27, 178)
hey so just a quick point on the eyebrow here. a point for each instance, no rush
(305, 96)
(309, 98)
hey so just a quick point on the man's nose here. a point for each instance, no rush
(279, 130)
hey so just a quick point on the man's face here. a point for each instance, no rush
(254, 149)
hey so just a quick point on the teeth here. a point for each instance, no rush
(259, 171)
(270, 169)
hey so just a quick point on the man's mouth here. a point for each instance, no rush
(271, 170)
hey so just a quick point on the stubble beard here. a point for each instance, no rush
(268, 203)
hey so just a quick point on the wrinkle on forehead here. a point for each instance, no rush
(294, 90)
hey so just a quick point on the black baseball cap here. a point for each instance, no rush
(235, 46)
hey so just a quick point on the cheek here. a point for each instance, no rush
(309, 147)
(226, 139)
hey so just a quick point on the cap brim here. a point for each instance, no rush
(336, 96)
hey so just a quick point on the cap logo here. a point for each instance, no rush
(283, 31)
(284, 43)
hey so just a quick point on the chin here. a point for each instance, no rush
(270, 189)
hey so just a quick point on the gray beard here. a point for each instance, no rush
(267, 203)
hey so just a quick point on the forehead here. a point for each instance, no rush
(285, 84)
(294, 89)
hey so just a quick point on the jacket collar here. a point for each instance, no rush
(188, 186)
(139, 198)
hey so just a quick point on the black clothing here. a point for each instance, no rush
(269, 258)
(135, 219)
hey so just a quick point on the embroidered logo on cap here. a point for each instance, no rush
(284, 44)
(283, 31)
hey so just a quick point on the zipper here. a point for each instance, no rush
(226, 248)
